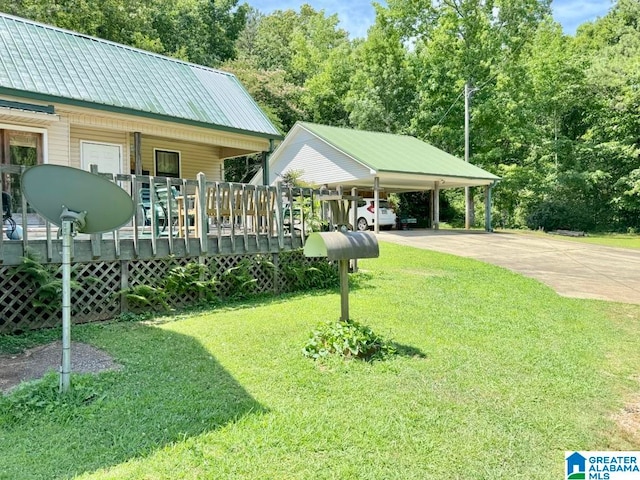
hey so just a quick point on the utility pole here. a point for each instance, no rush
(468, 198)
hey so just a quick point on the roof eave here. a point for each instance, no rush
(490, 179)
(131, 111)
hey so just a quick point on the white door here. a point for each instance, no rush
(108, 156)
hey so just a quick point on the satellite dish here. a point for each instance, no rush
(50, 189)
(76, 201)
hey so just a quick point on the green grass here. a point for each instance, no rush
(620, 240)
(498, 377)
(610, 240)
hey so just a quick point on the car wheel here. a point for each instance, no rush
(362, 224)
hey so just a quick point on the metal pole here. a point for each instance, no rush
(436, 206)
(376, 203)
(467, 191)
(65, 369)
(354, 222)
(344, 290)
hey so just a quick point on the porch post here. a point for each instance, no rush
(265, 163)
(96, 238)
(137, 152)
(376, 203)
(487, 208)
(436, 206)
(203, 219)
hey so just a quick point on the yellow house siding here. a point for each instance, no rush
(58, 142)
(156, 128)
(102, 136)
(194, 157)
(201, 149)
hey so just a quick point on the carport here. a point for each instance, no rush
(355, 159)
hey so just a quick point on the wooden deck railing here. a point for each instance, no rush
(182, 216)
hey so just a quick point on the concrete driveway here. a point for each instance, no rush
(572, 269)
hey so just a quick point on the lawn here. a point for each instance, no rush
(497, 376)
(619, 240)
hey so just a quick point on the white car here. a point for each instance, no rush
(367, 214)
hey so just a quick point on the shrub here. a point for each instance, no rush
(191, 280)
(298, 274)
(347, 339)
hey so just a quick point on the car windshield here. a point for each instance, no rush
(384, 204)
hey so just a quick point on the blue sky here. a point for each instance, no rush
(357, 15)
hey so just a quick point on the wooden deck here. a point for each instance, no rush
(174, 217)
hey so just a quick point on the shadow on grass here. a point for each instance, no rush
(408, 351)
(170, 389)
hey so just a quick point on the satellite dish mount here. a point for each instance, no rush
(78, 202)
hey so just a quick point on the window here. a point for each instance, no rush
(19, 147)
(167, 163)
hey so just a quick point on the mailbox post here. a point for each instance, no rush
(342, 245)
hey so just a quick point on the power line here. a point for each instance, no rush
(447, 112)
(486, 82)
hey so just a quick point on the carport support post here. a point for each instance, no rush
(436, 206)
(354, 222)
(487, 208)
(376, 203)
(344, 289)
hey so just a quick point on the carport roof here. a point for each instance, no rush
(402, 154)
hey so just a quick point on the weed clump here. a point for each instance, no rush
(347, 339)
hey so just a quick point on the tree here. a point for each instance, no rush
(200, 31)
(468, 41)
(304, 59)
(382, 92)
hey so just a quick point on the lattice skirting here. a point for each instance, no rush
(97, 287)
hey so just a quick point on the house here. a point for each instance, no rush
(332, 156)
(155, 122)
(70, 99)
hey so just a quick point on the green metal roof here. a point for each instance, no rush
(385, 152)
(47, 63)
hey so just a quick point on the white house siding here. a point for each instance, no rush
(318, 161)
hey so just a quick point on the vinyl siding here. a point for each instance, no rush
(194, 158)
(318, 161)
(58, 140)
(110, 121)
(94, 135)
(201, 149)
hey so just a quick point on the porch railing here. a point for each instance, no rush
(179, 215)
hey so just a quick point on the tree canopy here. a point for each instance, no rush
(556, 116)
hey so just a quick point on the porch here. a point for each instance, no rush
(175, 217)
(221, 226)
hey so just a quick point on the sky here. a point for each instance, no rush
(356, 16)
